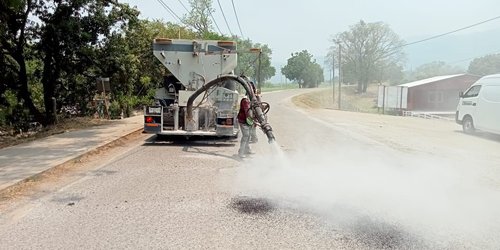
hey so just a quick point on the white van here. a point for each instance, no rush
(479, 106)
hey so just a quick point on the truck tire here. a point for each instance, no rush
(468, 125)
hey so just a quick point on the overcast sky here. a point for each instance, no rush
(289, 26)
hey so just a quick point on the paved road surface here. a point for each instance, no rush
(333, 180)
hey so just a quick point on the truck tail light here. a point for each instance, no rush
(149, 119)
(225, 121)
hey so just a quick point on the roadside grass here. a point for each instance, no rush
(277, 87)
(350, 100)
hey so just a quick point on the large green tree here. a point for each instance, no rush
(17, 31)
(366, 50)
(303, 69)
(56, 43)
(70, 36)
(127, 59)
(485, 65)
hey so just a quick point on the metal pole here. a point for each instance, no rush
(340, 74)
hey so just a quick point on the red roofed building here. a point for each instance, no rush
(437, 94)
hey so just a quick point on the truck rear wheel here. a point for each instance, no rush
(468, 125)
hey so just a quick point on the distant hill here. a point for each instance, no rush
(456, 49)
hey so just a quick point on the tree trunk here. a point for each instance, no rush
(360, 87)
(24, 93)
(48, 81)
(365, 86)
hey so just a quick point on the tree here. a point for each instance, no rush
(303, 69)
(391, 73)
(248, 61)
(432, 69)
(69, 38)
(366, 49)
(485, 65)
(128, 60)
(199, 16)
(16, 32)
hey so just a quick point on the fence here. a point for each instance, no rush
(426, 115)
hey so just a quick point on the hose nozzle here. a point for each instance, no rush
(266, 128)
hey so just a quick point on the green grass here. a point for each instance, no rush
(276, 87)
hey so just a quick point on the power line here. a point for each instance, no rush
(447, 33)
(213, 19)
(237, 19)
(165, 6)
(225, 20)
(183, 6)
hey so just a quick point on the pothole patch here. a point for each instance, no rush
(251, 205)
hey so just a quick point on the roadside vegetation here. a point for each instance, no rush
(56, 53)
(350, 99)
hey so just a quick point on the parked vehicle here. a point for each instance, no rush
(479, 106)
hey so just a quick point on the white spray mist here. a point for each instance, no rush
(441, 202)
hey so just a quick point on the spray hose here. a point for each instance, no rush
(260, 108)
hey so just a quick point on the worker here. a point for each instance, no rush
(245, 120)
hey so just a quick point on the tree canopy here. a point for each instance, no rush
(199, 16)
(485, 65)
(303, 69)
(248, 62)
(59, 51)
(368, 50)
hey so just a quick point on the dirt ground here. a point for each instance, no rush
(323, 98)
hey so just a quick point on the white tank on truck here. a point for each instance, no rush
(199, 96)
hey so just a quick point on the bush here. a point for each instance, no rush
(115, 110)
(20, 118)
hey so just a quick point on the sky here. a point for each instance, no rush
(292, 26)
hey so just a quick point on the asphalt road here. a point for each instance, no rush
(333, 180)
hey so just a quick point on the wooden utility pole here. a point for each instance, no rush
(333, 79)
(340, 74)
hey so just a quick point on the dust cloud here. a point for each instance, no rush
(381, 199)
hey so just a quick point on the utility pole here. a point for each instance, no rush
(333, 79)
(259, 71)
(340, 74)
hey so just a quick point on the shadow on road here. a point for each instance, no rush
(193, 141)
(195, 144)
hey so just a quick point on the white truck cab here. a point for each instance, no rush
(479, 106)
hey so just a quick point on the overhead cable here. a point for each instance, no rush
(450, 32)
(225, 20)
(165, 6)
(213, 19)
(184, 6)
(237, 19)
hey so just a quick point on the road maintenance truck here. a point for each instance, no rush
(199, 96)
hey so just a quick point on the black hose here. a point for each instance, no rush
(256, 105)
